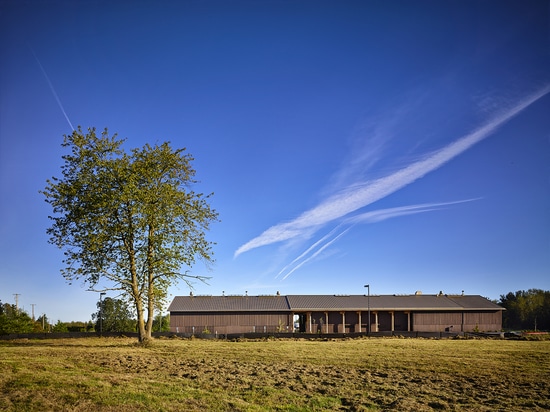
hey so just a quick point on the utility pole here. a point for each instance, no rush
(368, 308)
(17, 302)
(33, 305)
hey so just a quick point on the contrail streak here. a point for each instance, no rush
(52, 88)
(309, 249)
(302, 263)
(360, 196)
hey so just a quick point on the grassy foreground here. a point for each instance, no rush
(95, 374)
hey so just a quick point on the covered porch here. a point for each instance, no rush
(351, 321)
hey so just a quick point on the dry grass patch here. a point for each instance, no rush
(287, 375)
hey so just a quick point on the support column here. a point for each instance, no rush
(392, 320)
(308, 315)
(375, 321)
(343, 322)
(326, 322)
(359, 315)
(408, 321)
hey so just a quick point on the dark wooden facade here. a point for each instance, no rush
(230, 322)
(333, 314)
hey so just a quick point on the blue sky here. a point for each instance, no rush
(401, 144)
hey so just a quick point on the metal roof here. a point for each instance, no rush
(474, 302)
(376, 302)
(228, 303)
(305, 303)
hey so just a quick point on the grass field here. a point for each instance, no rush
(116, 374)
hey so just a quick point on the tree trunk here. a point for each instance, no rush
(150, 306)
(150, 315)
(150, 283)
(142, 333)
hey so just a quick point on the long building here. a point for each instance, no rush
(328, 314)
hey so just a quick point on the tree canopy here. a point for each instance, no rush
(526, 309)
(113, 315)
(13, 320)
(129, 221)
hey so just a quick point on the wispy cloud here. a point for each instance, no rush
(368, 217)
(383, 214)
(368, 143)
(360, 195)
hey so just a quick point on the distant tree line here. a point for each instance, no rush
(526, 310)
(13, 320)
(113, 315)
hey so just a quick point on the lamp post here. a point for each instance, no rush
(368, 309)
(101, 312)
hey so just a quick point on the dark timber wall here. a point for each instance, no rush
(456, 321)
(231, 322)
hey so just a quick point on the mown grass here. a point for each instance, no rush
(95, 374)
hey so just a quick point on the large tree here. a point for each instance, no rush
(129, 221)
